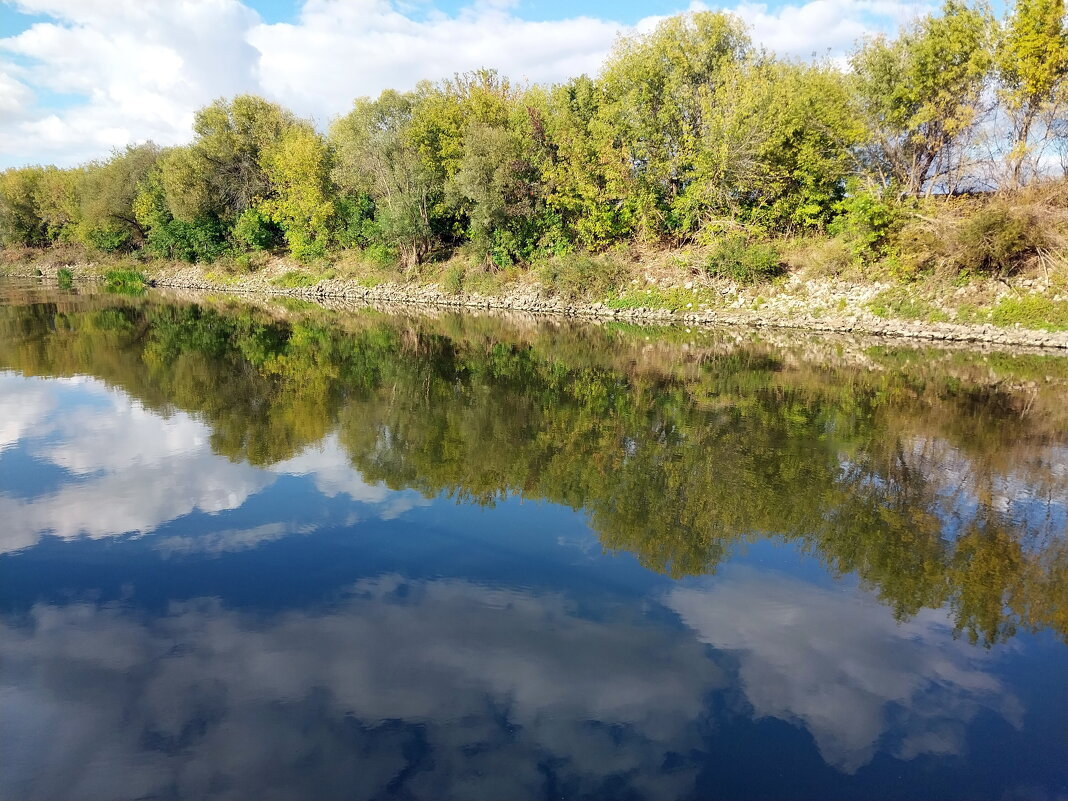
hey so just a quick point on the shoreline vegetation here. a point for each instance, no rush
(922, 190)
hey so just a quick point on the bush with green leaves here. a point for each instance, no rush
(125, 281)
(582, 275)
(866, 221)
(255, 230)
(737, 258)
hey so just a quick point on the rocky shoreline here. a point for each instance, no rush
(529, 298)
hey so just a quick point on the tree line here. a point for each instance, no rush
(689, 133)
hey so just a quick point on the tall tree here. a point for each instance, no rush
(652, 118)
(921, 93)
(108, 220)
(1032, 66)
(376, 155)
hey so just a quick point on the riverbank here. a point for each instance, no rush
(1025, 313)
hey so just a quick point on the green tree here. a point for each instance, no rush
(652, 118)
(108, 218)
(58, 198)
(776, 149)
(178, 224)
(298, 168)
(921, 94)
(376, 156)
(1032, 66)
(20, 216)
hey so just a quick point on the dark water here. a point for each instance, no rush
(299, 554)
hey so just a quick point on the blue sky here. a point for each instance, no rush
(79, 78)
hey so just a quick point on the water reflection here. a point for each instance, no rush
(252, 553)
(841, 681)
(489, 692)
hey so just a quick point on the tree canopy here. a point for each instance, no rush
(687, 131)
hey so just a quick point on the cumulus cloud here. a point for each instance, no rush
(130, 470)
(839, 664)
(407, 688)
(24, 403)
(451, 688)
(137, 69)
(330, 469)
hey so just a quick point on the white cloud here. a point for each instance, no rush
(837, 663)
(490, 681)
(330, 469)
(345, 50)
(24, 404)
(132, 470)
(228, 540)
(140, 68)
(487, 683)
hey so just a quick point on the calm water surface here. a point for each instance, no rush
(283, 552)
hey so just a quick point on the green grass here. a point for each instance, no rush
(65, 277)
(1032, 311)
(901, 304)
(296, 279)
(225, 279)
(674, 299)
(125, 281)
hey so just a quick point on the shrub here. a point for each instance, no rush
(866, 221)
(255, 230)
(736, 258)
(581, 275)
(997, 240)
(109, 239)
(65, 278)
(295, 279)
(820, 256)
(452, 281)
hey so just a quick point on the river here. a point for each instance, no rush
(274, 551)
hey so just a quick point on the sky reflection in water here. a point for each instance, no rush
(244, 558)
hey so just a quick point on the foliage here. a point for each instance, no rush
(688, 134)
(125, 281)
(21, 222)
(452, 280)
(920, 95)
(1032, 67)
(867, 221)
(377, 157)
(65, 278)
(255, 230)
(295, 279)
(746, 262)
(1032, 311)
(674, 298)
(996, 239)
(108, 220)
(297, 166)
(581, 275)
